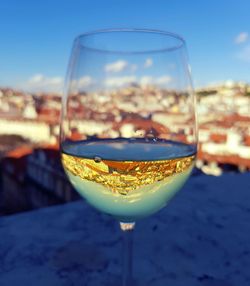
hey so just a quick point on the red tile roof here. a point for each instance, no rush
(20, 152)
(224, 159)
(218, 138)
(247, 140)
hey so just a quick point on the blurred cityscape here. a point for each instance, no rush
(31, 175)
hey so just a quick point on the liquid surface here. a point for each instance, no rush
(129, 178)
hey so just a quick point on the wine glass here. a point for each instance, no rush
(128, 124)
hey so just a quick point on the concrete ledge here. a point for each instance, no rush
(200, 239)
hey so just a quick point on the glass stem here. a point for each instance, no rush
(127, 232)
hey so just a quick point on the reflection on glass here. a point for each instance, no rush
(128, 130)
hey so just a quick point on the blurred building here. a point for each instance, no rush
(33, 178)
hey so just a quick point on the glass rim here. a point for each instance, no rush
(180, 40)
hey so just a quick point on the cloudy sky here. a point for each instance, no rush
(36, 38)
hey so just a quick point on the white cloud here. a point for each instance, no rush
(143, 81)
(117, 66)
(148, 63)
(244, 54)
(146, 80)
(241, 38)
(119, 81)
(85, 81)
(133, 67)
(41, 83)
(81, 83)
(165, 79)
(36, 79)
(149, 80)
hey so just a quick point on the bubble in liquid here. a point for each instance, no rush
(97, 159)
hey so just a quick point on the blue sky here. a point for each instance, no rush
(36, 36)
